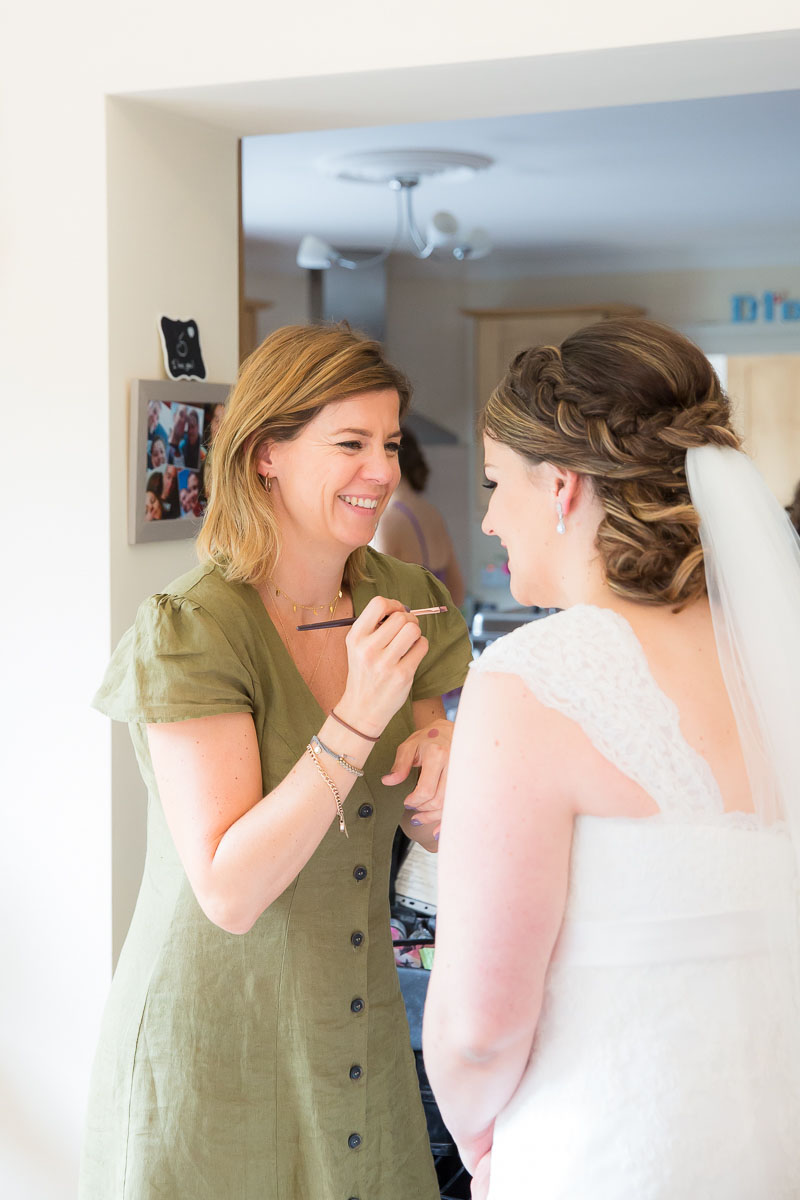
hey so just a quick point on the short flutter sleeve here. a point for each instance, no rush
(175, 663)
(445, 666)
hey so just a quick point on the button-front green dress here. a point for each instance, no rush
(275, 1065)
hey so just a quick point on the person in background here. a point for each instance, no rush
(158, 453)
(154, 427)
(255, 1043)
(191, 448)
(214, 422)
(191, 503)
(179, 423)
(170, 497)
(153, 506)
(794, 509)
(412, 529)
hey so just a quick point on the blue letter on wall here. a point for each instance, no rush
(744, 308)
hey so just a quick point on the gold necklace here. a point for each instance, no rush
(312, 608)
(312, 677)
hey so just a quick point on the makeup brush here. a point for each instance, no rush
(340, 624)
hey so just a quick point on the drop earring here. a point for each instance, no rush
(269, 484)
(561, 526)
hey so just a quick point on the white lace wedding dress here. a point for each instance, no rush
(665, 1061)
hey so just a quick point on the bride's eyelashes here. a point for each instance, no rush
(489, 483)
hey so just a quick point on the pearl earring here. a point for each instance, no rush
(560, 527)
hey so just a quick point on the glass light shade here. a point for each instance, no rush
(314, 254)
(441, 228)
(476, 244)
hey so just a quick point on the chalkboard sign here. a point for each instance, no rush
(180, 341)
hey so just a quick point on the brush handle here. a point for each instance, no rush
(344, 621)
(338, 624)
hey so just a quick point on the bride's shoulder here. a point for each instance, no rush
(568, 641)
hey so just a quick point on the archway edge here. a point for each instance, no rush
(599, 78)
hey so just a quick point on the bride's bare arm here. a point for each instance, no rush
(503, 872)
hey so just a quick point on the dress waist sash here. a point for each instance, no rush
(741, 934)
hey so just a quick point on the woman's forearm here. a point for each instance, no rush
(240, 848)
(472, 1088)
(262, 852)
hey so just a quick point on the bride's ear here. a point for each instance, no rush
(567, 487)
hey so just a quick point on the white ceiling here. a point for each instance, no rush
(697, 183)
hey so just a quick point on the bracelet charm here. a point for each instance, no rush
(340, 758)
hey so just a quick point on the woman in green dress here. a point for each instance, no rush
(255, 1045)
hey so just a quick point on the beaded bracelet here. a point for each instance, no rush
(318, 745)
(334, 790)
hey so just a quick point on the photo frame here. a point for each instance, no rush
(171, 427)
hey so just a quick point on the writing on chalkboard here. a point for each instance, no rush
(180, 342)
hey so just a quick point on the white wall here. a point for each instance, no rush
(55, 866)
(172, 248)
(89, 258)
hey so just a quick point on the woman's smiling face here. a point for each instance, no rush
(334, 479)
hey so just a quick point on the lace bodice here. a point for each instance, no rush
(588, 664)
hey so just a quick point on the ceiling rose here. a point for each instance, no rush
(402, 171)
(382, 166)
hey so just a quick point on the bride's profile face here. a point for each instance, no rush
(522, 514)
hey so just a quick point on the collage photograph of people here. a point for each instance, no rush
(178, 438)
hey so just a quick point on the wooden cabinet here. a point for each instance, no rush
(248, 325)
(500, 333)
(765, 391)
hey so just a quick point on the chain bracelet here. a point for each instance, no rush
(333, 788)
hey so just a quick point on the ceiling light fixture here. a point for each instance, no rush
(403, 171)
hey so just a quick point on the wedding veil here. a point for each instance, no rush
(752, 562)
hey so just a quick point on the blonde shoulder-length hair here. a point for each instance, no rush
(281, 387)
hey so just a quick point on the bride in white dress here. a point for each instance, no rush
(613, 1012)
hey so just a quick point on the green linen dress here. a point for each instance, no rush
(275, 1065)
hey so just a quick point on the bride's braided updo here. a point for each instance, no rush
(621, 401)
